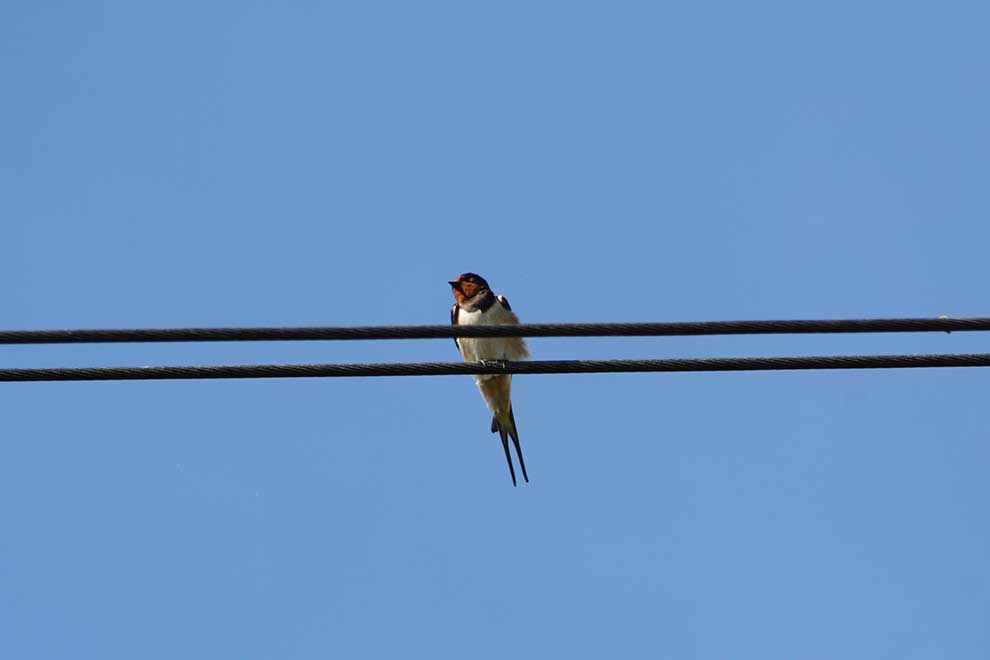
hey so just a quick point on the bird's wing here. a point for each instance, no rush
(508, 317)
(453, 321)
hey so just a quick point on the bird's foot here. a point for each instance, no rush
(494, 364)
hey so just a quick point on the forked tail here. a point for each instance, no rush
(507, 428)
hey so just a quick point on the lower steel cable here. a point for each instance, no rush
(461, 368)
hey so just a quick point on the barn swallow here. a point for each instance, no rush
(477, 305)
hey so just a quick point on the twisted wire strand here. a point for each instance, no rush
(941, 324)
(460, 368)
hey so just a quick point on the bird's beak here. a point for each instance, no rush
(455, 284)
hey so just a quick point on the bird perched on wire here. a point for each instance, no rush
(475, 304)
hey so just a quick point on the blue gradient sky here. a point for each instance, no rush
(190, 164)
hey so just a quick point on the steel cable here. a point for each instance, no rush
(461, 368)
(525, 330)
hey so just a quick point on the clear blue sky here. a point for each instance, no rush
(232, 163)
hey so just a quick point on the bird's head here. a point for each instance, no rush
(467, 286)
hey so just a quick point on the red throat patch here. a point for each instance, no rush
(466, 290)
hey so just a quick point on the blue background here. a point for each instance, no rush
(247, 163)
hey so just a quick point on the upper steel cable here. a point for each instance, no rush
(525, 330)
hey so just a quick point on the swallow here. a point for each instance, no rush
(475, 304)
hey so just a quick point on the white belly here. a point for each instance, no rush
(489, 348)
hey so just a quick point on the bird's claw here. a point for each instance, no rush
(494, 364)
